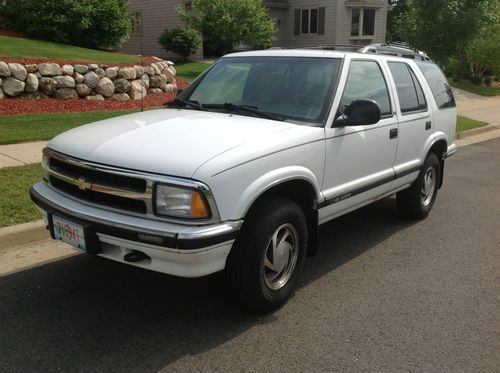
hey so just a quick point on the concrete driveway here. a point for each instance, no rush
(486, 109)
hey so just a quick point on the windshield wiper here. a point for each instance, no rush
(178, 102)
(232, 107)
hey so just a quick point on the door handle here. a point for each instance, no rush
(393, 133)
(428, 125)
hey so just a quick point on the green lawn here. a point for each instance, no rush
(14, 47)
(190, 70)
(478, 90)
(464, 124)
(15, 204)
(37, 127)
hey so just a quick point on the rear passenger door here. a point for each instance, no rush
(415, 121)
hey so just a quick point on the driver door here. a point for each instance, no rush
(359, 159)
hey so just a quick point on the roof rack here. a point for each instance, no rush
(328, 47)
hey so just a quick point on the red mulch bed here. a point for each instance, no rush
(13, 106)
(13, 33)
(26, 61)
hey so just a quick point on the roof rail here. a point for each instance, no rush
(330, 47)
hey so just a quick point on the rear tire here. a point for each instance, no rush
(267, 257)
(416, 202)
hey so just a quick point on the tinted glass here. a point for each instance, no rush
(440, 88)
(299, 89)
(407, 94)
(366, 82)
(422, 103)
(369, 22)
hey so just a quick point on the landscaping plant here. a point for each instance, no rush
(183, 41)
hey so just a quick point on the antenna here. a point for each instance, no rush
(142, 63)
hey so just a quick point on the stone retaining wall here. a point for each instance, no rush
(90, 82)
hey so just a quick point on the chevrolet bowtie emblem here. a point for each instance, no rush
(83, 185)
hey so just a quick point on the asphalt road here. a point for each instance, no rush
(383, 294)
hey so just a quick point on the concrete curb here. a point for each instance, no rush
(477, 131)
(22, 234)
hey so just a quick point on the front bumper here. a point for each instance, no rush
(180, 250)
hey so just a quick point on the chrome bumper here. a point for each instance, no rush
(175, 237)
(452, 149)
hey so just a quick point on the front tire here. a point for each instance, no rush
(267, 257)
(416, 202)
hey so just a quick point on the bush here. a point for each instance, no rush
(88, 23)
(181, 41)
(476, 80)
(496, 79)
(487, 80)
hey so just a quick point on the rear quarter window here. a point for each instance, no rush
(440, 88)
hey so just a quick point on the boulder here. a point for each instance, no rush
(105, 87)
(93, 66)
(38, 75)
(120, 97)
(145, 79)
(34, 95)
(170, 87)
(31, 83)
(95, 98)
(153, 91)
(0, 82)
(18, 71)
(169, 63)
(49, 69)
(2, 95)
(155, 81)
(91, 79)
(81, 69)
(65, 93)
(111, 73)
(64, 81)
(83, 90)
(12, 86)
(149, 70)
(137, 90)
(31, 68)
(127, 73)
(78, 78)
(68, 70)
(122, 85)
(156, 69)
(4, 69)
(47, 86)
(100, 73)
(139, 70)
(164, 83)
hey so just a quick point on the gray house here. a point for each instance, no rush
(298, 23)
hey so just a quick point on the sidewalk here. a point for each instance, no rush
(21, 154)
(470, 105)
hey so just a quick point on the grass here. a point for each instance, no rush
(190, 70)
(37, 127)
(15, 204)
(478, 90)
(15, 47)
(464, 124)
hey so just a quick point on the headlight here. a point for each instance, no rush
(180, 202)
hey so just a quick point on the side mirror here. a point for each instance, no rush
(179, 91)
(359, 113)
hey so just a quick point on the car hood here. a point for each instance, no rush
(166, 141)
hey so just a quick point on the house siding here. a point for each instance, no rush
(157, 15)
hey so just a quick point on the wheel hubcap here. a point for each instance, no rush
(428, 187)
(281, 256)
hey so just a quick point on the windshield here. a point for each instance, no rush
(293, 88)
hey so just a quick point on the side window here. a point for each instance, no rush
(440, 88)
(366, 82)
(410, 94)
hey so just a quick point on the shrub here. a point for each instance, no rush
(88, 23)
(181, 41)
(496, 79)
(476, 80)
(487, 80)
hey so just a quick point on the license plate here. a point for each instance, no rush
(68, 231)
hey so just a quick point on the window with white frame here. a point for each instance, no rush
(362, 22)
(310, 21)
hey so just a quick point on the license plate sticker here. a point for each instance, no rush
(68, 231)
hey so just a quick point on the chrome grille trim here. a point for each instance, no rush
(146, 196)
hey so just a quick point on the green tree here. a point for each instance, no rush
(182, 41)
(89, 23)
(396, 9)
(483, 52)
(227, 23)
(443, 28)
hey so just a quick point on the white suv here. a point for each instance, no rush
(242, 168)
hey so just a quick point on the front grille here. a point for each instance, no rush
(108, 200)
(98, 185)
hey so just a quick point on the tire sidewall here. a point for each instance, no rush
(431, 161)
